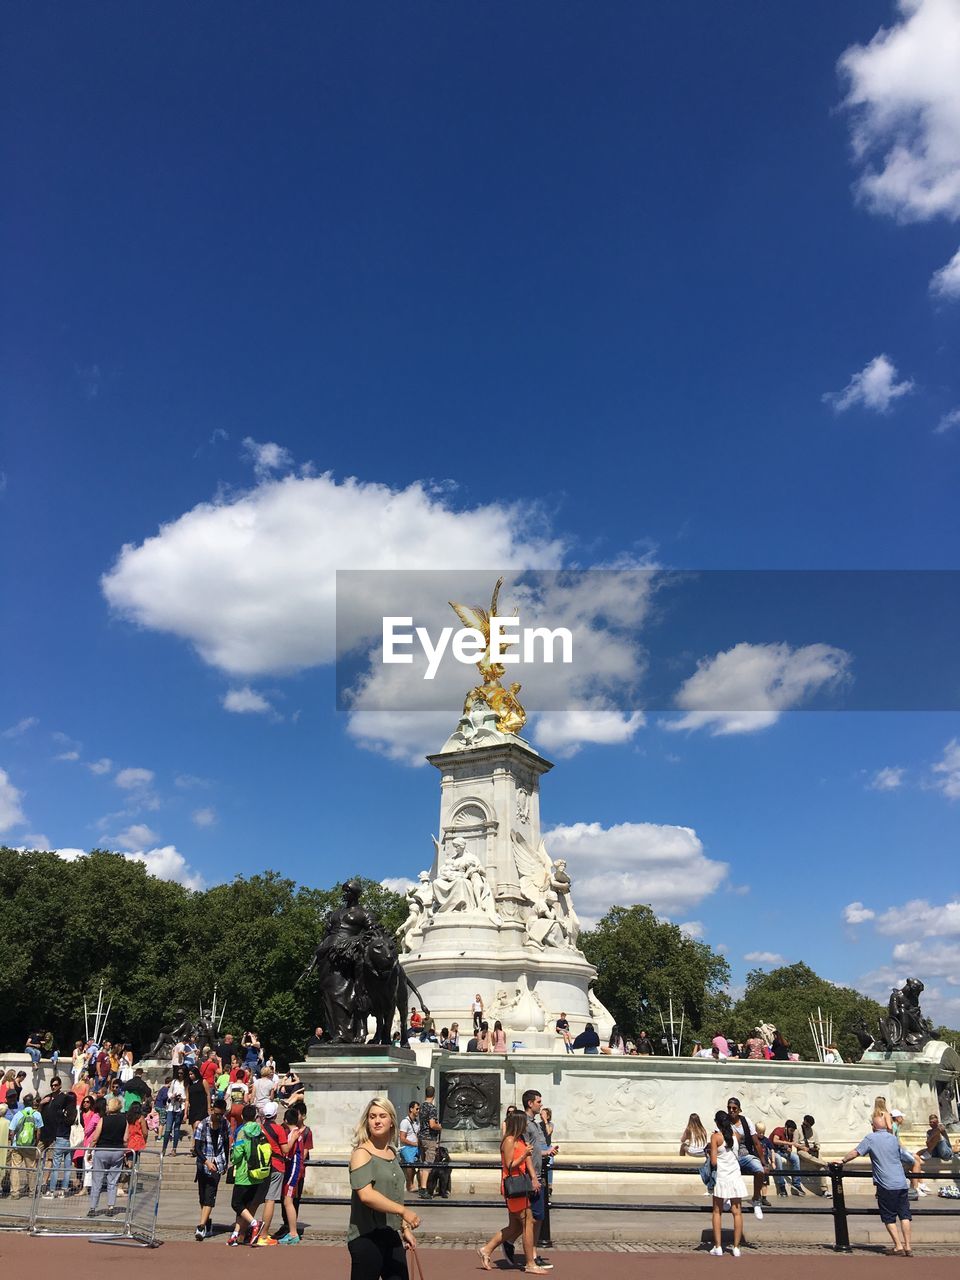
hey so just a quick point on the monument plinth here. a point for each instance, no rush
(494, 914)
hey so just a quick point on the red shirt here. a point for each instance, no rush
(208, 1071)
(780, 1135)
(416, 1019)
(276, 1135)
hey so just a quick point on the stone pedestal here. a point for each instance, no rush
(926, 1082)
(338, 1083)
(490, 800)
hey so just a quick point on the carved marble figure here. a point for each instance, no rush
(461, 882)
(420, 900)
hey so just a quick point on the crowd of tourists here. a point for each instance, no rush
(246, 1125)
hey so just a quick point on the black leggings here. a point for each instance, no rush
(379, 1255)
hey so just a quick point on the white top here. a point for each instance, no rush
(176, 1095)
(409, 1132)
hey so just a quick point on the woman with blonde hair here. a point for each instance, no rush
(515, 1159)
(381, 1227)
(881, 1110)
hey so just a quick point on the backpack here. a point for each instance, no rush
(26, 1135)
(258, 1161)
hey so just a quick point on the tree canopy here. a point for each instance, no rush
(158, 947)
(642, 961)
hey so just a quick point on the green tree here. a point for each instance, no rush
(158, 948)
(642, 961)
(788, 995)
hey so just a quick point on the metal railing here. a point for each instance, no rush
(53, 1190)
(835, 1205)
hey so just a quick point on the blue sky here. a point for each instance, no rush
(309, 287)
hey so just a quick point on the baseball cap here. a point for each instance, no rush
(897, 1115)
(268, 1110)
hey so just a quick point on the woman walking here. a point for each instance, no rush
(381, 1226)
(728, 1184)
(173, 1117)
(516, 1158)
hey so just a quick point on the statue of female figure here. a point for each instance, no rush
(339, 960)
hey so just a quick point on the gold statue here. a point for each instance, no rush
(505, 704)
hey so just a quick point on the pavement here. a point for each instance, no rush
(46, 1259)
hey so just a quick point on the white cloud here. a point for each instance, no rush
(135, 837)
(749, 686)
(921, 917)
(266, 458)
(947, 770)
(945, 283)
(399, 884)
(188, 781)
(947, 422)
(693, 928)
(764, 957)
(565, 732)
(874, 387)
(245, 700)
(166, 863)
(134, 779)
(857, 913)
(15, 730)
(205, 817)
(11, 814)
(251, 581)
(904, 96)
(938, 960)
(101, 766)
(887, 779)
(36, 841)
(68, 755)
(632, 862)
(407, 737)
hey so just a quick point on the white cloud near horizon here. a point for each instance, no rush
(945, 282)
(903, 95)
(245, 701)
(764, 957)
(398, 884)
(947, 771)
(874, 387)
(11, 811)
(750, 686)
(888, 778)
(635, 862)
(165, 862)
(134, 837)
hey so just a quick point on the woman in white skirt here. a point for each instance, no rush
(729, 1184)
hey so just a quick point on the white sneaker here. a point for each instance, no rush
(735, 1251)
(922, 1190)
(716, 1251)
(758, 1211)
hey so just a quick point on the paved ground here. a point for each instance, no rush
(43, 1259)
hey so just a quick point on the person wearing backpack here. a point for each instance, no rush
(250, 1159)
(280, 1144)
(25, 1130)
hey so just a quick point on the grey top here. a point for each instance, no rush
(386, 1176)
(884, 1151)
(535, 1140)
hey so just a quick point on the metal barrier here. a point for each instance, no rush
(105, 1195)
(835, 1206)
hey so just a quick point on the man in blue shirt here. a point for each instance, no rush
(887, 1158)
